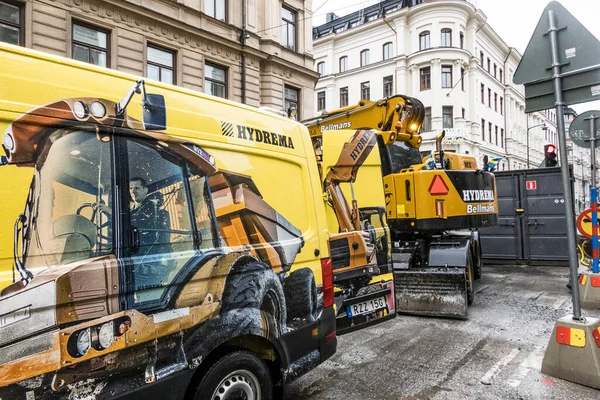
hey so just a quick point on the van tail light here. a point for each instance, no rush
(327, 269)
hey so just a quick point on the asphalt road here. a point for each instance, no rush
(496, 354)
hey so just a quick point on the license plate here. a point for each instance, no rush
(365, 307)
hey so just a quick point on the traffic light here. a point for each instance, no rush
(550, 156)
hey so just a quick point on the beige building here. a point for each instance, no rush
(257, 52)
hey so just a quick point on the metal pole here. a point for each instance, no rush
(594, 196)
(527, 125)
(564, 165)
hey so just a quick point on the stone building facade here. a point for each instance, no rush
(257, 52)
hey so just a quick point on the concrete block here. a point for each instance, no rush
(589, 290)
(573, 352)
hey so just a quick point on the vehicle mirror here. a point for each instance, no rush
(292, 113)
(155, 113)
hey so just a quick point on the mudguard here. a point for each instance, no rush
(449, 253)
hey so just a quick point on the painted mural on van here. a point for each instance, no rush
(135, 256)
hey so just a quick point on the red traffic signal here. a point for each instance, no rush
(550, 155)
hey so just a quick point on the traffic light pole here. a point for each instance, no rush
(564, 165)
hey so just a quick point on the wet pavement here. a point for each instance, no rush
(496, 354)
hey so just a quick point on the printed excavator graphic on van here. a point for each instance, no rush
(135, 257)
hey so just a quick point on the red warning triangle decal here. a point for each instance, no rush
(438, 186)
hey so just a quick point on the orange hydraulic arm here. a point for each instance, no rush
(395, 118)
(352, 157)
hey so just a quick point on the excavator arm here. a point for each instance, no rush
(351, 158)
(395, 118)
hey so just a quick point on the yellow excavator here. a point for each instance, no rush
(359, 250)
(433, 204)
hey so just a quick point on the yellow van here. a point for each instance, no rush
(154, 240)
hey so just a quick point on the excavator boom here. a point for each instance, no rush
(392, 117)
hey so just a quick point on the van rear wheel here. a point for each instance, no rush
(239, 375)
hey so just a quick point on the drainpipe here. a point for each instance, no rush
(504, 103)
(243, 37)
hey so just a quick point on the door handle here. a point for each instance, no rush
(536, 223)
(135, 240)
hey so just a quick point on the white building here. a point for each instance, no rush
(444, 53)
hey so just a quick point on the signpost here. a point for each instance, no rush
(541, 71)
(561, 66)
(577, 59)
(583, 132)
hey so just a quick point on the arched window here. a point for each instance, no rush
(424, 42)
(321, 68)
(343, 63)
(388, 51)
(364, 58)
(446, 37)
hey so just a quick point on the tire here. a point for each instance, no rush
(478, 263)
(255, 285)
(368, 289)
(470, 275)
(238, 375)
(301, 296)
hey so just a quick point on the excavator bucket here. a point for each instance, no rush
(440, 292)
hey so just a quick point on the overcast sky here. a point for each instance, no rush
(513, 20)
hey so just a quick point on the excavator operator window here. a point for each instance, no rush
(402, 155)
(72, 188)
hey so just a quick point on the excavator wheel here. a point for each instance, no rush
(470, 275)
(301, 296)
(478, 263)
(256, 286)
(477, 259)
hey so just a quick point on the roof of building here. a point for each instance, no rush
(569, 111)
(337, 24)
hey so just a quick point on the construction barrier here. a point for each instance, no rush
(573, 351)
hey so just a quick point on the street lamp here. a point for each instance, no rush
(544, 128)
